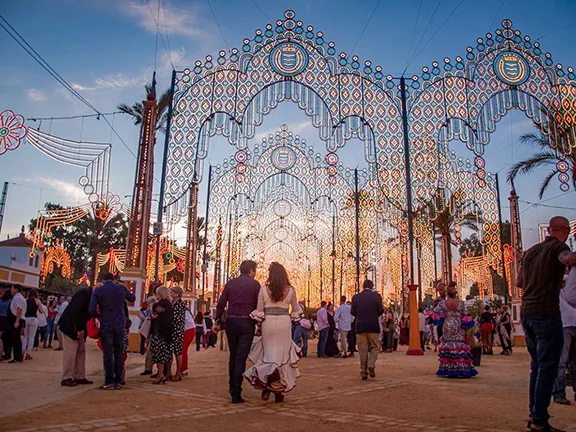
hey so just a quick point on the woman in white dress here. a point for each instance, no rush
(274, 355)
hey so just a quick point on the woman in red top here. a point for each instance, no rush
(50, 327)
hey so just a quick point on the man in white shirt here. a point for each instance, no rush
(59, 311)
(568, 358)
(422, 327)
(343, 320)
(16, 314)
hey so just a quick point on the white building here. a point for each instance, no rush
(16, 265)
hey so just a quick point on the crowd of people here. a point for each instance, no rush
(270, 327)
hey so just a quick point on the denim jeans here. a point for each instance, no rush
(567, 363)
(240, 332)
(301, 338)
(112, 341)
(322, 342)
(199, 336)
(50, 327)
(544, 340)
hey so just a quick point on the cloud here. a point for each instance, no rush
(522, 126)
(112, 81)
(173, 20)
(35, 95)
(65, 189)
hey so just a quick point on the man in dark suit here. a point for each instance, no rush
(239, 298)
(367, 308)
(72, 326)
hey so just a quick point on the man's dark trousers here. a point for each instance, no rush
(112, 341)
(240, 332)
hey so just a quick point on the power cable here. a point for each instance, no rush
(414, 33)
(46, 66)
(436, 32)
(556, 31)
(73, 117)
(547, 206)
(365, 26)
(166, 28)
(424, 32)
(263, 13)
(543, 201)
(496, 16)
(218, 24)
(159, 34)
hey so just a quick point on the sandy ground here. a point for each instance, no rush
(405, 395)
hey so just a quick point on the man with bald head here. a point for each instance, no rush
(540, 276)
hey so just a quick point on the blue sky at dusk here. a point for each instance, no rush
(106, 50)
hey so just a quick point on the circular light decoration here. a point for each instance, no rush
(511, 68)
(281, 234)
(241, 156)
(282, 208)
(479, 162)
(12, 130)
(283, 158)
(562, 166)
(288, 59)
(332, 158)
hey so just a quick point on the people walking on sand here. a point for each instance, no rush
(274, 355)
(178, 329)
(453, 352)
(33, 305)
(42, 324)
(487, 328)
(50, 324)
(72, 327)
(239, 298)
(301, 329)
(441, 288)
(343, 320)
(540, 277)
(4, 327)
(161, 333)
(59, 311)
(200, 329)
(505, 331)
(323, 328)
(422, 328)
(366, 309)
(331, 349)
(189, 334)
(143, 314)
(16, 314)
(221, 339)
(107, 303)
(148, 364)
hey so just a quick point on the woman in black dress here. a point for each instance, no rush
(178, 324)
(161, 332)
(331, 343)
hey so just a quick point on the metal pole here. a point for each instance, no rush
(321, 274)
(408, 178)
(357, 217)
(158, 230)
(204, 252)
(504, 278)
(229, 245)
(309, 277)
(3, 203)
(435, 256)
(333, 256)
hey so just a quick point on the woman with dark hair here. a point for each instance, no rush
(200, 329)
(178, 328)
(487, 327)
(404, 331)
(453, 352)
(274, 355)
(33, 305)
(161, 332)
(50, 326)
(331, 343)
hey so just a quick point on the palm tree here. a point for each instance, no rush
(136, 110)
(546, 157)
(445, 210)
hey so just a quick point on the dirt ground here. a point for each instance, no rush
(405, 395)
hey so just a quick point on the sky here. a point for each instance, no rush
(107, 50)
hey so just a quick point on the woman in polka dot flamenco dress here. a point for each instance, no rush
(453, 352)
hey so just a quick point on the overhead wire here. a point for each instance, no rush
(496, 16)
(260, 9)
(159, 33)
(218, 24)
(424, 32)
(365, 26)
(13, 33)
(437, 30)
(414, 33)
(556, 31)
(72, 117)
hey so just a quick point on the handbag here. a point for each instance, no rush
(93, 328)
(145, 328)
(305, 324)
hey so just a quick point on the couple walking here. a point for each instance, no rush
(270, 308)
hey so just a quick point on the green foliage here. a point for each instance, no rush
(471, 247)
(474, 290)
(57, 284)
(475, 309)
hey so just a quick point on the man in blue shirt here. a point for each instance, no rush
(107, 303)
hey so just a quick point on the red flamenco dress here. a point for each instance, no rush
(453, 352)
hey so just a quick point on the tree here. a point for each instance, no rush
(136, 110)
(471, 247)
(445, 210)
(474, 290)
(552, 131)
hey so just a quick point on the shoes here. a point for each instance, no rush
(154, 375)
(122, 383)
(364, 377)
(146, 372)
(15, 361)
(58, 349)
(28, 357)
(351, 355)
(160, 381)
(265, 395)
(106, 387)
(83, 381)
(372, 372)
(237, 400)
(185, 373)
(345, 356)
(68, 383)
(545, 428)
(118, 386)
(562, 401)
(278, 397)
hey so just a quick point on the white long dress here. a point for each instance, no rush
(274, 355)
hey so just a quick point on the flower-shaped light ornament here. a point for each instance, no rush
(12, 131)
(106, 206)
